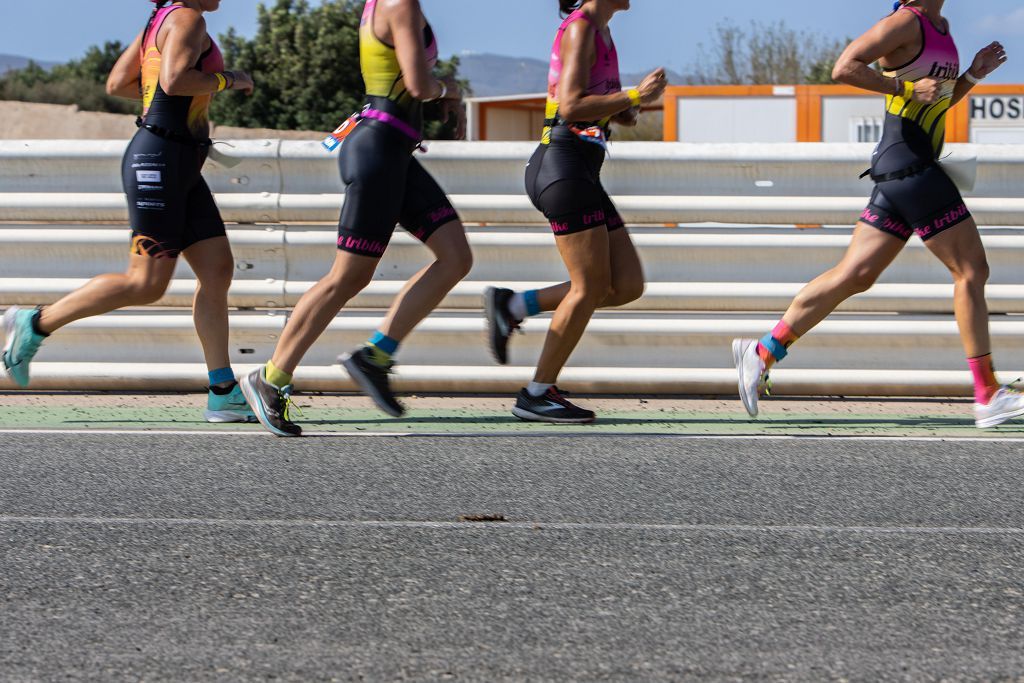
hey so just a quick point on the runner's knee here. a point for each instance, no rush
(858, 279)
(626, 291)
(457, 261)
(141, 291)
(972, 275)
(347, 283)
(217, 278)
(593, 289)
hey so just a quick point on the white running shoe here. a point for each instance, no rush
(1006, 404)
(753, 379)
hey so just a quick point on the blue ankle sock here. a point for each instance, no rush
(532, 305)
(221, 376)
(384, 343)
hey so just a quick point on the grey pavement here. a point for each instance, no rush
(248, 558)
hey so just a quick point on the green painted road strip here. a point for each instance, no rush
(482, 422)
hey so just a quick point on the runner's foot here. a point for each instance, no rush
(21, 343)
(1006, 404)
(270, 404)
(372, 379)
(551, 406)
(228, 405)
(753, 378)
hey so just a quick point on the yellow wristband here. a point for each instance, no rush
(908, 90)
(221, 81)
(634, 97)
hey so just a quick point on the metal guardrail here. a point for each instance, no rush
(505, 209)
(737, 270)
(706, 284)
(496, 168)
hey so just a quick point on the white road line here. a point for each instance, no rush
(533, 526)
(540, 432)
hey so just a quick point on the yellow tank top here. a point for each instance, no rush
(378, 61)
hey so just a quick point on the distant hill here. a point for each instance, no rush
(496, 75)
(8, 62)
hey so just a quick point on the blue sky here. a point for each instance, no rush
(654, 32)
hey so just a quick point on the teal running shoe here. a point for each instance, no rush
(228, 407)
(21, 345)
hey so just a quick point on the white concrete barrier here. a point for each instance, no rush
(723, 270)
(706, 284)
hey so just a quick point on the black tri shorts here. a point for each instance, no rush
(170, 206)
(563, 180)
(386, 186)
(927, 203)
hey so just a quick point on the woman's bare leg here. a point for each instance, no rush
(425, 290)
(317, 308)
(587, 256)
(213, 264)
(144, 282)
(627, 276)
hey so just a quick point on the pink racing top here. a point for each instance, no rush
(937, 59)
(604, 75)
(184, 115)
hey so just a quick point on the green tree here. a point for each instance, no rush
(305, 62)
(81, 82)
(765, 54)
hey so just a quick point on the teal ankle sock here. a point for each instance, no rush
(221, 376)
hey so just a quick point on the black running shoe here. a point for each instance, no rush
(270, 404)
(551, 406)
(500, 323)
(372, 378)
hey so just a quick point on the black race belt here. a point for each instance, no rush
(913, 169)
(167, 134)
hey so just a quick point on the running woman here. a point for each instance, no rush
(921, 81)
(175, 68)
(563, 180)
(385, 186)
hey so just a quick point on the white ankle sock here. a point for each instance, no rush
(536, 389)
(517, 306)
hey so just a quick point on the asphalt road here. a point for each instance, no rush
(242, 557)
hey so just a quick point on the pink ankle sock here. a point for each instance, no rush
(985, 383)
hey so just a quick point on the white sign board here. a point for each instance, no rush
(997, 110)
(997, 118)
(737, 119)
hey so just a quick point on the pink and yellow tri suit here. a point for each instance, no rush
(186, 115)
(912, 193)
(170, 205)
(604, 75)
(563, 178)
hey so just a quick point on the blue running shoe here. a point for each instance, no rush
(21, 345)
(228, 407)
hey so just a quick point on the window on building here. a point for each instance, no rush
(866, 129)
